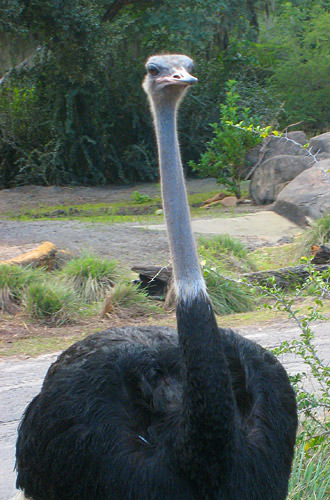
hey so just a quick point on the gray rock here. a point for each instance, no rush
(321, 143)
(307, 196)
(274, 146)
(274, 174)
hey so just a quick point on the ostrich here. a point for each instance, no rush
(146, 413)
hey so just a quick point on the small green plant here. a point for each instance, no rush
(140, 198)
(51, 302)
(224, 157)
(90, 276)
(312, 404)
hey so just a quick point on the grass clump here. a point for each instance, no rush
(227, 252)
(310, 477)
(13, 280)
(51, 302)
(128, 300)
(226, 295)
(317, 234)
(91, 277)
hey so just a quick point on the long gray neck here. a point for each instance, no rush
(187, 273)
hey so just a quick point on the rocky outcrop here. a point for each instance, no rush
(277, 161)
(307, 196)
(274, 174)
(321, 143)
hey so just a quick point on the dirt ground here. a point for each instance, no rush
(130, 243)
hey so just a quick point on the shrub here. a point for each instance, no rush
(224, 157)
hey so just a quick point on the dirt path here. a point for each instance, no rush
(130, 243)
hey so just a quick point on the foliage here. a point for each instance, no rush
(315, 403)
(90, 276)
(140, 198)
(298, 37)
(224, 157)
(89, 122)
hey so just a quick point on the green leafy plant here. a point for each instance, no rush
(140, 198)
(224, 157)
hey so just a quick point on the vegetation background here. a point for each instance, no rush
(74, 111)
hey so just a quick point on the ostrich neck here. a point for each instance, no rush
(187, 273)
(208, 393)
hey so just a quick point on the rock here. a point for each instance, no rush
(275, 146)
(306, 196)
(320, 143)
(274, 174)
(229, 201)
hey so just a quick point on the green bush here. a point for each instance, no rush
(224, 157)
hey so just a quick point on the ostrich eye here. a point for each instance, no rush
(153, 71)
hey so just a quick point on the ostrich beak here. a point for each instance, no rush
(180, 77)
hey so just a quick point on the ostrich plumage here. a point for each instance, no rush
(148, 413)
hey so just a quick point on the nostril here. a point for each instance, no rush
(177, 77)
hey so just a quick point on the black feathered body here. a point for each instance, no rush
(124, 415)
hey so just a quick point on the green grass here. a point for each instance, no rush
(90, 276)
(317, 234)
(140, 209)
(267, 258)
(13, 281)
(128, 300)
(226, 253)
(310, 477)
(51, 302)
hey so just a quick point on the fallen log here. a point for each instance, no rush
(43, 256)
(284, 277)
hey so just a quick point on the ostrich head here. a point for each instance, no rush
(168, 77)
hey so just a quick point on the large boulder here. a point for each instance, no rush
(321, 143)
(275, 146)
(274, 174)
(307, 196)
